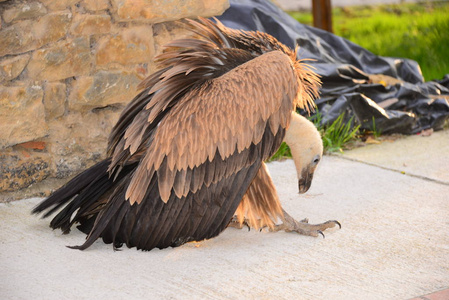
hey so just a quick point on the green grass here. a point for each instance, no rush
(302, 17)
(375, 131)
(336, 135)
(418, 31)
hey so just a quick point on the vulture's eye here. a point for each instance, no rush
(316, 160)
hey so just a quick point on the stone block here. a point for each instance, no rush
(54, 99)
(103, 89)
(68, 166)
(27, 35)
(90, 24)
(130, 46)
(167, 10)
(20, 171)
(11, 67)
(63, 60)
(82, 135)
(22, 115)
(55, 5)
(24, 11)
(96, 5)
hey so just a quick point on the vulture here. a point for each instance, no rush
(186, 157)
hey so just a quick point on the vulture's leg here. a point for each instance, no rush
(303, 227)
(260, 206)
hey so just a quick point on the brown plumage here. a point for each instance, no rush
(191, 144)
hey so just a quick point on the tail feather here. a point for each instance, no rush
(63, 195)
(87, 198)
(103, 220)
(80, 194)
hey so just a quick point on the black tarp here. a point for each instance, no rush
(399, 99)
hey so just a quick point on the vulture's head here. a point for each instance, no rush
(306, 146)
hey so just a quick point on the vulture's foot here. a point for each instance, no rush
(236, 224)
(303, 227)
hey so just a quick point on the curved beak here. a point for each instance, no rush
(306, 179)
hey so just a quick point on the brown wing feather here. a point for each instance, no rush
(226, 113)
(260, 42)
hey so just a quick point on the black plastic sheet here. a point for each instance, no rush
(385, 91)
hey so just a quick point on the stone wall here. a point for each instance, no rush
(67, 69)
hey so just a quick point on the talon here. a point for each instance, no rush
(303, 227)
(333, 222)
(338, 223)
(246, 224)
(236, 224)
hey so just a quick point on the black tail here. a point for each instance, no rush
(82, 193)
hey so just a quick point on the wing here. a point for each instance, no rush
(221, 117)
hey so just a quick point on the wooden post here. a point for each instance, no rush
(322, 14)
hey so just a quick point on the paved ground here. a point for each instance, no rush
(424, 157)
(394, 243)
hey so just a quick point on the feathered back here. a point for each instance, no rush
(260, 42)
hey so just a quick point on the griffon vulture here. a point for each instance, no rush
(191, 145)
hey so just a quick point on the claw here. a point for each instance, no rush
(246, 224)
(335, 222)
(338, 223)
(320, 232)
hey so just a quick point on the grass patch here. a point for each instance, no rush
(418, 31)
(375, 131)
(336, 135)
(303, 17)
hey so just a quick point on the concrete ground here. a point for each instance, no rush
(392, 200)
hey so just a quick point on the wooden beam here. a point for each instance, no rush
(322, 14)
